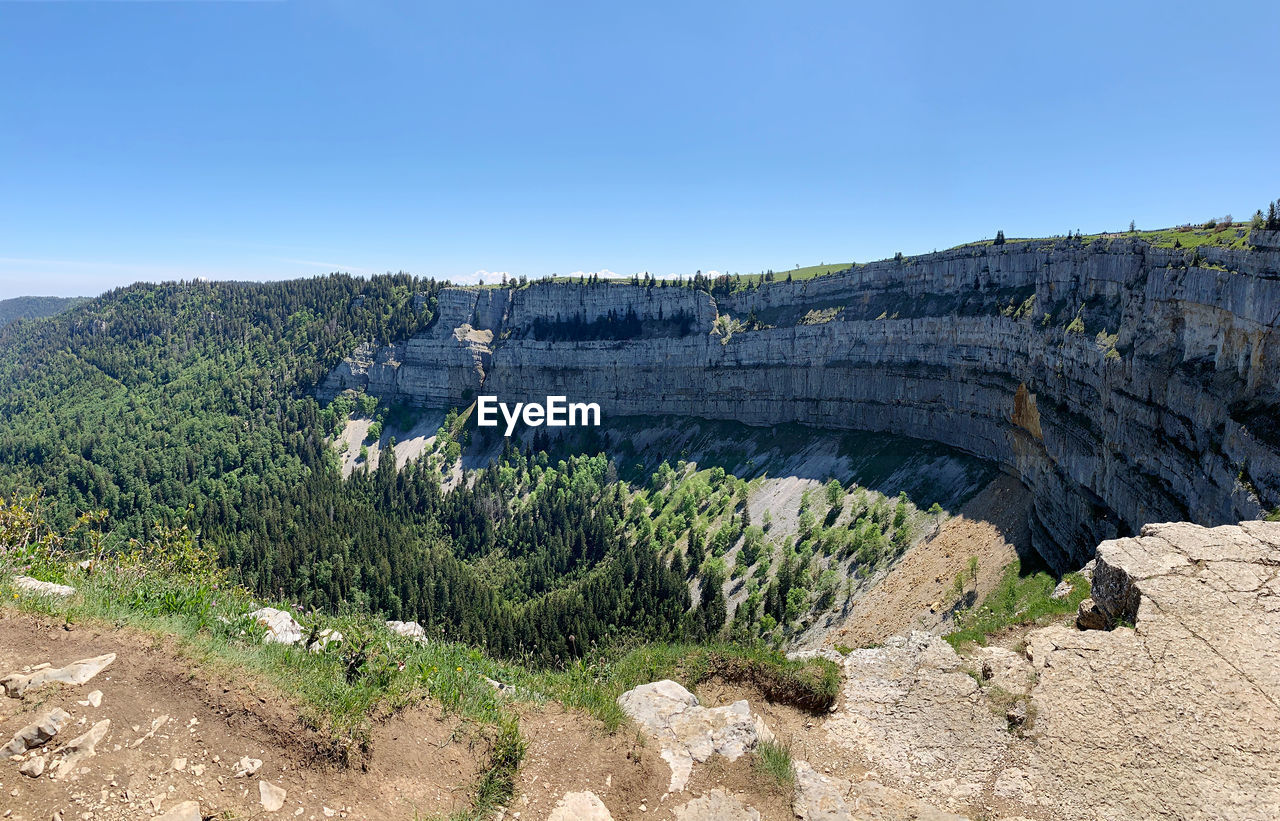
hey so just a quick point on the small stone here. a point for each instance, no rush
(272, 796)
(186, 811)
(179, 764)
(95, 698)
(32, 768)
(1090, 617)
(248, 766)
(580, 806)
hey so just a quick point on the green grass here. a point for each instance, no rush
(1018, 600)
(175, 596)
(172, 590)
(798, 274)
(773, 760)
(593, 685)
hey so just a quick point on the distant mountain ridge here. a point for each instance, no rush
(35, 307)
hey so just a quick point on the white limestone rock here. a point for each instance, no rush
(408, 629)
(67, 758)
(271, 795)
(186, 811)
(76, 673)
(688, 732)
(32, 767)
(716, 805)
(36, 733)
(30, 585)
(282, 628)
(580, 806)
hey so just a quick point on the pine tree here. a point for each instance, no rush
(999, 240)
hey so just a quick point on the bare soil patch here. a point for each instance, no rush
(421, 763)
(917, 592)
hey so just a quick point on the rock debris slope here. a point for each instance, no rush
(1122, 383)
(1177, 716)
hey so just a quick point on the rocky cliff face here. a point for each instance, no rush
(1123, 383)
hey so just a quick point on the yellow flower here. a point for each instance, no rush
(459, 669)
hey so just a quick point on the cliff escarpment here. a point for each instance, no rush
(1122, 383)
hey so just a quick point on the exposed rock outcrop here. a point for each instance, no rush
(280, 625)
(1123, 383)
(1177, 716)
(408, 629)
(716, 805)
(689, 732)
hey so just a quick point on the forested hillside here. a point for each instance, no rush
(192, 402)
(34, 307)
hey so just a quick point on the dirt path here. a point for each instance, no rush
(422, 763)
(917, 594)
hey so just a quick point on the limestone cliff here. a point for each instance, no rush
(1121, 382)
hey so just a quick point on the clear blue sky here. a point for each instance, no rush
(160, 140)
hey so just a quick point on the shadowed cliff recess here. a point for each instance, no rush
(1123, 380)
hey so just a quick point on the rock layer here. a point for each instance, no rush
(1123, 383)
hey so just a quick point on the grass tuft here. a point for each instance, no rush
(773, 759)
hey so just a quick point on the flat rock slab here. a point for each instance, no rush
(913, 711)
(67, 758)
(716, 805)
(186, 811)
(78, 672)
(271, 796)
(826, 798)
(1178, 717)
(580, 806)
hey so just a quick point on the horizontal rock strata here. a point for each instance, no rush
(1122, 383)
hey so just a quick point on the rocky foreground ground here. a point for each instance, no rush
(1166, 706)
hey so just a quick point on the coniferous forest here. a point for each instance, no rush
(194, 402)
